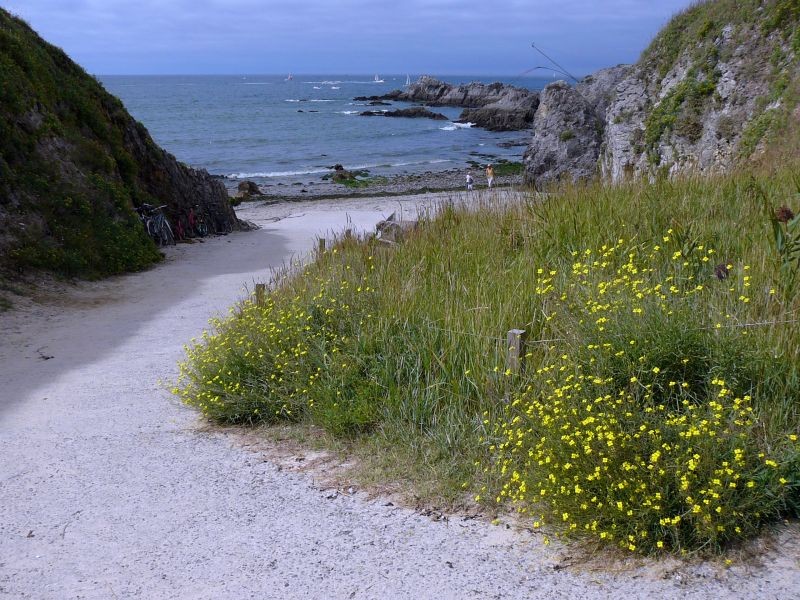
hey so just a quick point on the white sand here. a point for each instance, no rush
(109, 489)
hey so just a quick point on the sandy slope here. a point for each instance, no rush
(109, 489)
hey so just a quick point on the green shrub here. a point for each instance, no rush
(566, 135)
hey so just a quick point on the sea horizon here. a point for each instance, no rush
(269, 128)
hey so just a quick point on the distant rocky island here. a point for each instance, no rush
(494, 106)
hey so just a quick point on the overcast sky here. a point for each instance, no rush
(345, 36)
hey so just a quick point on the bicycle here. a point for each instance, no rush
(197, 221)
(156, 224)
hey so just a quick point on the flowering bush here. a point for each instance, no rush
(288, 359)
(639, 428)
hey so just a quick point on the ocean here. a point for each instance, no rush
(268, 128)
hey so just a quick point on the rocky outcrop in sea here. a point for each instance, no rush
(415, 112)
(493, 106)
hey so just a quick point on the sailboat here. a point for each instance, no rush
(408, 80)
(378, 79)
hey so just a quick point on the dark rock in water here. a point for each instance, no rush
(394, 95)
(415, 112)
(247, 189)
(512, 144)
(300, 110)
(514, 111)
(379, 103)
(495, 106)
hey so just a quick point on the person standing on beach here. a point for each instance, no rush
(490, 175)
(469, 181)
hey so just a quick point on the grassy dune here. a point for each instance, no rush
(656, 408)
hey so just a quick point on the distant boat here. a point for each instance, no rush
(334, 87)
(408, 80)
(378, 79)
(289, 77)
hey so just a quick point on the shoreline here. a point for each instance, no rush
(375, 186)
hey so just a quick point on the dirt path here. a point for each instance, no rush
(109, 489)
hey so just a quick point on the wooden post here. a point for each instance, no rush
(514, 355)
(322, 245)
(261, 292)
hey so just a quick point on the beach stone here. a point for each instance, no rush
(247, 189)
(394, 231)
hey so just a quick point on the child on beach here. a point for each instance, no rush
(469, 181)
(490, 175)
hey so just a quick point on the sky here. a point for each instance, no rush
(455, 37)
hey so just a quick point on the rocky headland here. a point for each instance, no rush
(493, 106)
(74, 165)
(713, 89)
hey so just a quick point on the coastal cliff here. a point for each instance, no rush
(713, 89)
(74, 165)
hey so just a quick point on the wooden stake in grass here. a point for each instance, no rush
(321, 245)
(514, 341)
(261, 294)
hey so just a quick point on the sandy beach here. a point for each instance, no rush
(111, 489)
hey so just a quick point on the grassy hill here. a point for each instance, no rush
(74, 164)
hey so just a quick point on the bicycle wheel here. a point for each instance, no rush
(166, 235)
(151, 230)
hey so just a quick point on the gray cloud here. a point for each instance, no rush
(437, 36)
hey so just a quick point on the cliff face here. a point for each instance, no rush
(74, 164)
(569, 128)
(714, 87)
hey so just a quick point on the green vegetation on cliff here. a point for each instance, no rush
(756, 40)
(65, 175)
(74, 164)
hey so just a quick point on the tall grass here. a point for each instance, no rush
(402, 348)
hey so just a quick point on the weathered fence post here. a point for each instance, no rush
(322, 245)
(261, 292)
(514, 354)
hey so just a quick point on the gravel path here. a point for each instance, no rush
(109, 489)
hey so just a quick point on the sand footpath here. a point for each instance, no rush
(111, 489)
